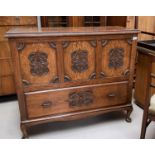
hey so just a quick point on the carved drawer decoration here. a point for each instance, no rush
(82, 98)
(38, 63)
(79, 61)
(116, 57)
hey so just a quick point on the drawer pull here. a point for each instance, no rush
(111, 95)
(46, 104)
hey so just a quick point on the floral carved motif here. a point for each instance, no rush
(79, 60)
(38, 63)
(116, 56)
(77, 99)
(20, 46)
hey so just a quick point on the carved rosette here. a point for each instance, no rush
(38, 63)
(116, 56)
(79, 60)
(82, 98)
(52, 44)
(93, 43)
(20, 46)
(65, 44)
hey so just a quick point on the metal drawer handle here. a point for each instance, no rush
(46, 104)
(111, 95)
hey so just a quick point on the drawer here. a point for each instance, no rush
(67, 100)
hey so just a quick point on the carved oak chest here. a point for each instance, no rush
(71, 73)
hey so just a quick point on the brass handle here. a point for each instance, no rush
(111, 95)
(46, 104)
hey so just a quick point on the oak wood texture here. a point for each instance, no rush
(148, 87)
(7, 85)
(59, 72)
(142, 71)
(18, 20)
(146, 24)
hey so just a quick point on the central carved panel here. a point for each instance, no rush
(77, 99)
(79, 60)
(38, 63)
(116, 56)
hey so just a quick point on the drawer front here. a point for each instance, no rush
(60, 101)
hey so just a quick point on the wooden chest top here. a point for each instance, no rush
(68, 31)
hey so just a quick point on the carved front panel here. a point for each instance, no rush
(79, 59)
(115, 58)
(38, 63)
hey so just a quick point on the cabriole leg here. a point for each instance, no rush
(24, 131)
(128, 113)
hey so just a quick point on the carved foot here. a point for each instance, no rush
(24, 131)
(128, 113)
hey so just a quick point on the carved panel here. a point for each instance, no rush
(116, 56)
(77, 99)
(79, 61)
(38, 63)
